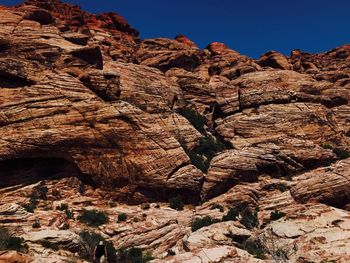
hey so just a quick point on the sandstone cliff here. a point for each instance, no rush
(85, 101)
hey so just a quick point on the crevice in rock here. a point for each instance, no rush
(41, 16)
(177, 168)
(163, 194)
(26, 171)
(91, 55)
(10, 81)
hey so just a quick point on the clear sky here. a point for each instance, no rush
(251, 27)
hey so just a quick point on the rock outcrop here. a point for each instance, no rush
(92, 116)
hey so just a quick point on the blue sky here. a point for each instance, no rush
(251, 27)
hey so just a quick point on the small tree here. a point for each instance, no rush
(176, 203)
(122, 217)
(280, 253)
(217, 206)
(202, 222)
(8, 242)
(275, 215)
(93, 217)
(133, 255)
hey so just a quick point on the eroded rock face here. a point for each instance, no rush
(100, 116)
(326, 185)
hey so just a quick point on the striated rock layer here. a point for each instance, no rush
(84, 102)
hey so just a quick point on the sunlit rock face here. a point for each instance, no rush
(94, 117)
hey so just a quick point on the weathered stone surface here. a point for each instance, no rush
(93, 117)
(165, 54)
(274, 59)
(63, 239)
(326, 185)
(275, 159)
(312, 229)
(14, 257)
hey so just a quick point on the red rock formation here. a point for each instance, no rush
(98, 116)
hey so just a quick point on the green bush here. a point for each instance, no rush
(47, 244)
(69, 214)
(36, 224)
(254, 248)
(341, 153)
(90, 240)
(275, 215)
(327, 146)
(31, 206)
(216, 206)
(197, 160)
(93, 217)
(65, 208)
(42, 191)
(122, 217)
(202, 222)
(62, 207)
(133, 255)
(197, 120)
(231, 215)
(176, 203)
(8, 242)
(250, 220)
(203, 153)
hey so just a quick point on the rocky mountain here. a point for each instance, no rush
(93, 118)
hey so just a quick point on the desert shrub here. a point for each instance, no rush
(42, 191)
(231, 215)
(217, 206)
(65, 208)
(176, 203)
(143, 106)
(327, 146)
(254, 248)
(31, 205)
(341, 153)
(93, 217)
(197, 120)
(90, 240)
(133, 255)
(202, 222)
(145, 206)
(203, 153)
(122, 217)
(197, 160)
(275, 215)
(81, 188)
(47, 244)
(209, 146)
(8, 242)
(36, 224)
(62, 207)
(278, 251)
(249, 220)
(69, 214)
(282, 187)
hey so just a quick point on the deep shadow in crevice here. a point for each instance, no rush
(26, 171)
(8, 81)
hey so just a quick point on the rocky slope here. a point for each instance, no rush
(101, 119)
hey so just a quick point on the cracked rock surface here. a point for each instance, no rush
(108, 121)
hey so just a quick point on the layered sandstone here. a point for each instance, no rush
(85, 101)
